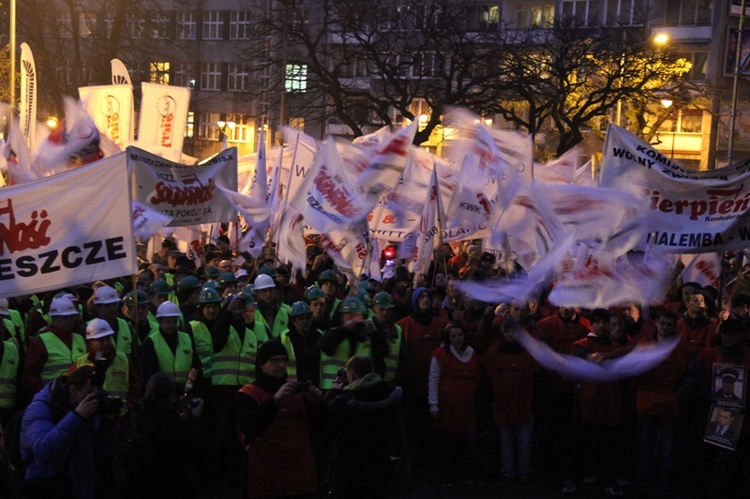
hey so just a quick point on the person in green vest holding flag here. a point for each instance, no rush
(339, 344)
(121, 378)
(168, 350)
(106, 302)
(302, 344)
(55, 349)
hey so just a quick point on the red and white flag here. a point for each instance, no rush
(147, 221)
(110, 106)
(163, 119)
(703, 268)
(428, 234)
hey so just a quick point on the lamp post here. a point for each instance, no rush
(667, 103)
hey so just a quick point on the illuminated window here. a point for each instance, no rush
(537, 15)
(190, 124)
(297, 122)
(159, 73)
(208, 127)
(684, 121)
(240, 131)
(183, 74)
(296, 78)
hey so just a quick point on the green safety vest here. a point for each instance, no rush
(336, 303)
(280, 322)
(11, 327)
(234, 365)
(17, 320)
(117, 377)
(178, 364)
(391, 360)
(204, 344)
(291, 368)
(330, 365)
(8, 375)
(152, 320)
(172, 294)
(260, 330)
(59, 356)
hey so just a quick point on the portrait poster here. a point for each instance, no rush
(723, 427)
(728, 386)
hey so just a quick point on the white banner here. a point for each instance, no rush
(188, 194)
(110, 106)
(68, 229)
(164, 111)
(702, 211)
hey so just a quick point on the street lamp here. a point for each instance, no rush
(667, 103)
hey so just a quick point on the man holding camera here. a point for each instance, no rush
(120, 374)
(64, 438)
(273, 418)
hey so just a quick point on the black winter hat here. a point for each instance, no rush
(269, 349)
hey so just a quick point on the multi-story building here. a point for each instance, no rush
(212, 46)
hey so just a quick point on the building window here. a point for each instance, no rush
(63, 71)
(625, 12)
(190, 125)
(159, 73)
(297, 122)
(208, 129)
(296, 78)
(482, 18)
(86, 24)
(159, 25)
(687, 12)
(538, 15)
(240, 131)
(239, 25)
(426, 64)
(182, 74)
(585, 12)
(684, 121)
(237, 76)
(88, 72)
(698, 64)
(212, 25)
(134, 25)
(187, 26)
(211, 76)
(109, 22)
(65, 25)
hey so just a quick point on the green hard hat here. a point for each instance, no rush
(313, 293)
(187, 283)
(352, 305)
(211, 272)
(142, 298)
(364, 296)
(248, 298)
(209, 295)
(267, 270)
(383, 299)
(227, 278)
(328, 276)
(212, 284)
(160, 287)
(300, 308)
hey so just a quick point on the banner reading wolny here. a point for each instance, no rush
(68, 229)
(702, 211)
(188, 194)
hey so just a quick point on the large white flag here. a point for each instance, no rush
(29, 90)
(68, 229)
(185, 193)
(426, 238)
(147, 221)
(704, 268)
(348, 248)
(384, 169)
(163, 119)
(110, 106)
(700, 211)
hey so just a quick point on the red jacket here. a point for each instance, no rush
(699, 334)
(421, 341)
(512, 378)
(597, 403)
(656, 390)
(457, 391)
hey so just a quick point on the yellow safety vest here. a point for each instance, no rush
(280, 322)
(17, 320)
(178, 364)
(234, 365)
(117, 377)
(291, 368)
(330, 365)
(204, 344)
(8, 375)
(59, 356)
(391, 360)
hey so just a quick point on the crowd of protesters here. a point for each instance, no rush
(347, 385)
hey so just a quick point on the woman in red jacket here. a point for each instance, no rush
(453, 385)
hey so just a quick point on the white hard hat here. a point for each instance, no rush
(105, 294)
(4, 307)
(62, 307)
(168, 309)
(263, 281)
(98, 328)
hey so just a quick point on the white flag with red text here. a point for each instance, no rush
(163, 118)
(110, 106)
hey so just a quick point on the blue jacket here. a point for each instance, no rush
(48, 442)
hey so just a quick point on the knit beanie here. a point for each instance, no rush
(270, 349)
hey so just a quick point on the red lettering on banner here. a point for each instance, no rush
(389, 219)
(113, 127)
(338, 197)
(696, 208)
(398, 146)
(166, 130)
(183, 196)
(484, 202)
(19, 236)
